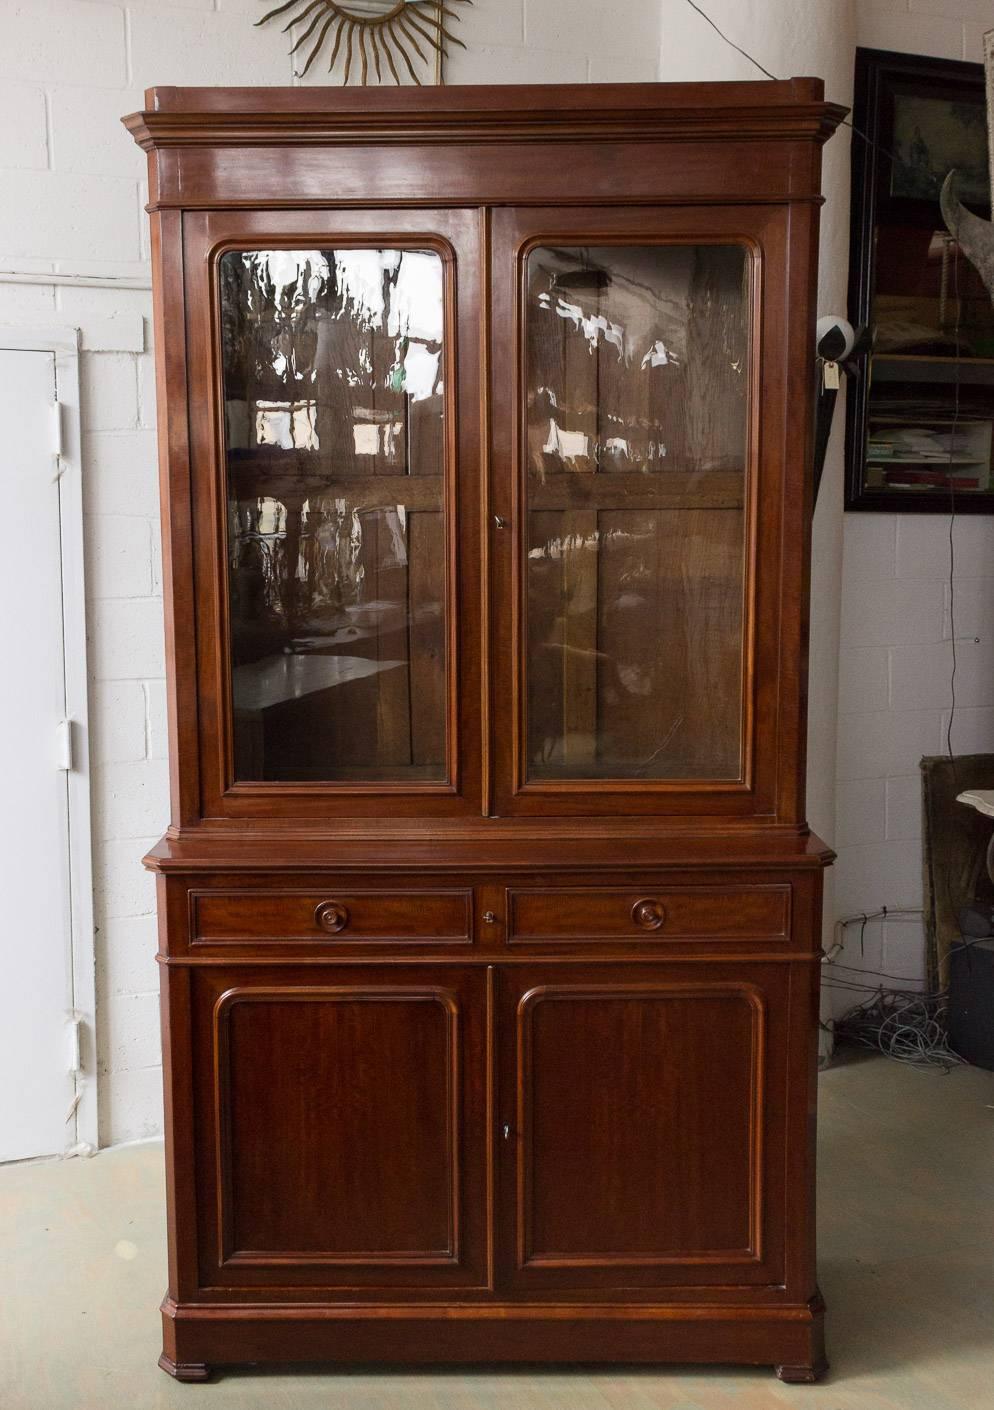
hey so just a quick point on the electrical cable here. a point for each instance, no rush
(901, 1020)
(952, 511)
(730, 42)
(907, 1027)
(844, 122)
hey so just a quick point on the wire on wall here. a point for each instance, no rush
(844, 122)
(898, 1018)
(730, 42)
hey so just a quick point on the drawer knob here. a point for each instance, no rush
(331, 916)
(649, 914)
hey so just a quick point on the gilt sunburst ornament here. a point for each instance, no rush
(372, 34)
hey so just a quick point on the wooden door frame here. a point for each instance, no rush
(774, 624)
(195, 487)
(62, 341)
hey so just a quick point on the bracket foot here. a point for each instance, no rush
(185, 1370)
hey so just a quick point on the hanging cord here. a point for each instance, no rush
(730, 42)
(958, 305)
(844, 122)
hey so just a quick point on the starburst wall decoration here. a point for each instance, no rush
(368, 32)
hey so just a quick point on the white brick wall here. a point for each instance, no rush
(947, 29)
(73, 191)
(894, 701)
(895, 658)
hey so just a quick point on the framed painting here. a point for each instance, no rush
(920, 418)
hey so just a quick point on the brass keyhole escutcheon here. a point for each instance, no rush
(649, 914)
(331, 916)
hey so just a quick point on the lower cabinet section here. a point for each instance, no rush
(531, 1129)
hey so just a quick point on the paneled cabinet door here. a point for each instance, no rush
(340, 1126)
(643, 1112)
(645, 464)
(333, 374)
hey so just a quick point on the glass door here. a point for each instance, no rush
(625, 547)
(339, 662)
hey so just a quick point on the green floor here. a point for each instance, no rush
(907, 1260)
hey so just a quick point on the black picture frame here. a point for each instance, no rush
(882, 78)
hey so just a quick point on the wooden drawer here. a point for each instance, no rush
(647, 913)
(347, 915)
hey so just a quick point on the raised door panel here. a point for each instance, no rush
(644, 1126)
(333, 368)
(341, 1127)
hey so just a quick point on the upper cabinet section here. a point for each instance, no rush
(637, 381)
(485, 429)
(335, 435)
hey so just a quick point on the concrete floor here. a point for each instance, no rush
(907, 1264)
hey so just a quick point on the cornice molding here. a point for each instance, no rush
(246, 117)
(153, 131)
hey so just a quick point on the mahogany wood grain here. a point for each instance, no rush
(602, 913)
(776, 104)
(358, 1160)
(646, 1126)
(482, 1066)
(360, 915)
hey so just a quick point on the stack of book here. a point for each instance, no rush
(921, 455)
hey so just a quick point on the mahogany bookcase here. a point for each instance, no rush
(489, 915)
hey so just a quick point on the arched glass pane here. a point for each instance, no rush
(637, 384)
(333, 365)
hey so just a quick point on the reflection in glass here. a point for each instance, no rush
(637, 383)
(930, 407)
(334, 420)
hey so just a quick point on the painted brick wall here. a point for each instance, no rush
(896, 649)
(73, 192)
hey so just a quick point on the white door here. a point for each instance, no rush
(37, 1069)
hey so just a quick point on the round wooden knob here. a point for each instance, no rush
(649, 914)
(331, 916)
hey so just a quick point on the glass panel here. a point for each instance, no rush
(637, 383)
(333, 384)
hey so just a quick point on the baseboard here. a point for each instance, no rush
(200, 1336)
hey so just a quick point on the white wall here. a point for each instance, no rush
(73, 191)
(73, 186)
(791, 37)
(896, 653)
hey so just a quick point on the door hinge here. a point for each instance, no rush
(75, 1046)
(58, 447)
(63, 745)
